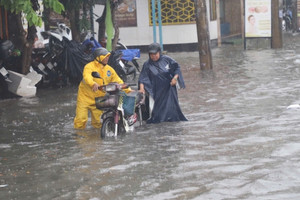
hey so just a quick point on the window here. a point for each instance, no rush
(174, 12)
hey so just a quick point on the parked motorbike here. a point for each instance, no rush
(6, 53)
(125, 71)
(119, 59)
(48, 61)
(62, 60)
(129, 55)
(286, 20)
(13, 83)
(121, 111)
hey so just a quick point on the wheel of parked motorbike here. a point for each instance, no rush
(108, 128)
(130, 73)
(121, 46)
(125, 71)
(283, 25)
(286, 23)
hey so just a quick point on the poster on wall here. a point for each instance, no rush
(258, 18)
(126, 14)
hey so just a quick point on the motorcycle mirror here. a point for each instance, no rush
(96, 75)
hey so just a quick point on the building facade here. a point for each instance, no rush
(179, 29)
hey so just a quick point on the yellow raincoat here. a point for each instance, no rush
(86, 96)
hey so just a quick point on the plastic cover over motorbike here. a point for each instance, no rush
(77, 58)
(130, 54)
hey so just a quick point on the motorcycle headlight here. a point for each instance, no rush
(110, 88)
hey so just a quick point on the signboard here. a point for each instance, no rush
(258, 18)
(126, 14)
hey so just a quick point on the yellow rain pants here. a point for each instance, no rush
(86, 96)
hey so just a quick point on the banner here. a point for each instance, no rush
(109, 26)
(126, 14)
(258, 18)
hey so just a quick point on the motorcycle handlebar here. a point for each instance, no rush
(130, 84)
(121, 86)
(127, 85)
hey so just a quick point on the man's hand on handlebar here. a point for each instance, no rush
(142, 91)
(95, 87)
(142, 88)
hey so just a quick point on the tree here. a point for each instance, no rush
(72, 11)
(203, 34)
(21, 38)
(109, 25)
(294, 15)
(78, 23)
(276, 26)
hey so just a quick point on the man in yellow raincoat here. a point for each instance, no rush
(88, 88)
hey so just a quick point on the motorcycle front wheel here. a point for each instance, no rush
(283, 25)
(108, 128)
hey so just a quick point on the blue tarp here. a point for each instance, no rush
(130, 54)
(127, 54)
(92, 42)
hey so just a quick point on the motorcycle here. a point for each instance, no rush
(125, 71)
(286, 20)
(62, 60)
(48, 61)
(6, 54)
(121, 111)
(13, 83)
(129, 55)
(119, 59)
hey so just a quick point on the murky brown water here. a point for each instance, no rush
(241, 141)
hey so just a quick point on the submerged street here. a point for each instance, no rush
(241, 140)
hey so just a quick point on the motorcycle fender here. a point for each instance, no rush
(3, 71)
(5, 75)
(122, 64)
(125, 123)
(106, 115)
(59, 37)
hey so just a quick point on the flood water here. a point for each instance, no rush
(241, 140)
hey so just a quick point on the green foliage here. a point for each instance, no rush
(26, 7)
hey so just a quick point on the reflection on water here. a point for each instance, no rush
(241, 141)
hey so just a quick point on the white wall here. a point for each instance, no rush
(143, 33)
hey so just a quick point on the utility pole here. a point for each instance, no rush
(218, 23)
(203, 35)
(243, 19)
(276, 26)
(294, 17)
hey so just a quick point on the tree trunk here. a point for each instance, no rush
(22, 41)
(276, 26)
(101, 22)
(294, 17)
(16, 31)
(27, 50)
(101, 30)
(116, 28)
(203, 35)
(73, 16)
(46, 16)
